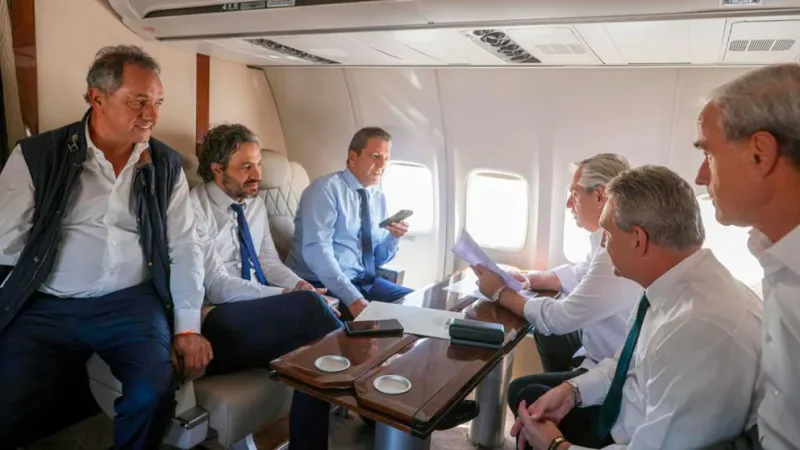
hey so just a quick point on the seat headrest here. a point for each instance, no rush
(275, 170)
(190, 164)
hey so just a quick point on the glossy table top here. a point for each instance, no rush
(441, 374)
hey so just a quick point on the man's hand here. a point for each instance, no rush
(398, 229)
(537, 434)
(332, 305)
(357, 306)
(488, 281)
(521, 277)
(195, 352)
(553, 405)
(303, 285)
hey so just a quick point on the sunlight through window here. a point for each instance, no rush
(729, 245)
(497, 209)
(576, 242)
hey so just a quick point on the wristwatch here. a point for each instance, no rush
(556, 443)
(576, 393)
(496, 295)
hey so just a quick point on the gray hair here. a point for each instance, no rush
(600, 169)
(662, 203)
(219, 144)
(105, 73)
(765, 99)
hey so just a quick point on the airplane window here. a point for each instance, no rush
(729, 244)
(576, 243)
(497, 209)
(410, 186)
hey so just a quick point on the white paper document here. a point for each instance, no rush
(467, 287)
(415, 320)
(467, 249)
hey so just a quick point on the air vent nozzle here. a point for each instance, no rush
(290, 51)
(501, 45)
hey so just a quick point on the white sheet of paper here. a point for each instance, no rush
(467, 286)
(467, 249)
(415, 320)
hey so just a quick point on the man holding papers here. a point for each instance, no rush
(688, 374)
(597, 305)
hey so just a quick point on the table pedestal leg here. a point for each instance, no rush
(390, 438)
(486, 430)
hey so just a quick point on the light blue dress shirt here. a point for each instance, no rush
(326, 246)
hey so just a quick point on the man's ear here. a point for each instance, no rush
(216, 168)
(96, 98)
(640, 240)
(599, 194)
(763, 152)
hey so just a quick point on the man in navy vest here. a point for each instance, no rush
(96, 217)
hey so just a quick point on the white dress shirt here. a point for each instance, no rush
(779, 414)
(99, 251)
(597, 302)
(695, 376)
(218, 231)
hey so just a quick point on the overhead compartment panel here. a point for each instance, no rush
(763, 42)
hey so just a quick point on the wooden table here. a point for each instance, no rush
(442, 375)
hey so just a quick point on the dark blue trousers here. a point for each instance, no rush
(252, 333)
(46, 347)
(382, 290)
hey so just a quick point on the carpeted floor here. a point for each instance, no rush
(346, 434)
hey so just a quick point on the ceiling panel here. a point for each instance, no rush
(668, 42)
(763, 42)
(554, 45)
(449, 46)
(371, 48)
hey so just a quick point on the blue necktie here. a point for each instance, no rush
(246, 250)
(367, 254)
(611, 406)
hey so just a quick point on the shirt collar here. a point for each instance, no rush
(774, 257)
(595, 239)
(220, 199)
(352, 182)
(659, 292)
(97, 153)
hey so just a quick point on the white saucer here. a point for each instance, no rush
(392, 384)
(332, 363)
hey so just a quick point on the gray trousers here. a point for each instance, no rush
(746, 441)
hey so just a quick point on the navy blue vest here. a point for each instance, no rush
(55, 160)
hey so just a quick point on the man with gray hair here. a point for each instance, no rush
(594, 312)
(688, 373)
(750, 138)
(98, 243)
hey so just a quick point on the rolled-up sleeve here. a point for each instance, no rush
(318, 209)
(17, 206)
(186, 257)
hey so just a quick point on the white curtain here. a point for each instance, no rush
(14, 126)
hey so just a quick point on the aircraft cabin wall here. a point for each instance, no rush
(491, 148)
(64, 53)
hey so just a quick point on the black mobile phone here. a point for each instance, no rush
(399, 216)
(373, 327)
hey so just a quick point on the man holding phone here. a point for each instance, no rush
(338, 239)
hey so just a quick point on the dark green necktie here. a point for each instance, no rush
(611, 406)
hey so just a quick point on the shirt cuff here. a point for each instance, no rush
(532, 311)
(350, 295)
(187, 320)
(566, 277)
(592, 386)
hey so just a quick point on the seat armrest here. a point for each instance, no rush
(394, 274)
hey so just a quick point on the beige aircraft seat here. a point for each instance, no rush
(234, 406)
